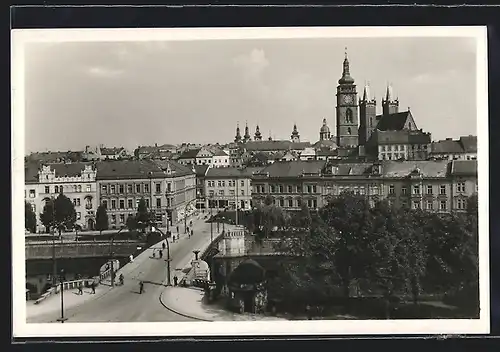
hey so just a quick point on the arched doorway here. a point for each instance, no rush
(90, 224)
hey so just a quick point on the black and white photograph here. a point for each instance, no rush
(183, 182)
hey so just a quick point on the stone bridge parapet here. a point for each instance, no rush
(80, 249)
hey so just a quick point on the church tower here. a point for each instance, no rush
(367, 116)
(347, 109)
(324, 132)
(246, 136)
(237, 138)
(390, 105)
(258, 135)
(295, 137)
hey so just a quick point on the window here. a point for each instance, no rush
(158, 202)
(104, 189)
(113, 189)
(442, 189)
(403, 190)
(461, 204)
(113, 219)
(113, 203)
(442, 205)
(314, 203)
(416, 204)
(362, 191)
(147, 202)
(290, 203)
(122, 204)
(221, 192)
(158, 188)
(231, 192)
(137, 188)
(416, 189)
(79, 188)
(76, 202)
(78, 216)
(130, 188)
(289, 188)
(299, 202)
(375, 190)
(89, 188)
(56, 189)
(281, 202)
(429, 205)
(242, 183)
(280, 189)
(47, 189)
(105, 204)
(242, 192)
(122, 218)
(401, 147)
(32, 193)
(461, 187)
(219, 183)
(223, 183)
(271, 189)
(211, 193)
(391, 189)
(146, 187)
(349, 130)
(348, 117)
(429, 189)
(309, 189)
(130, 203)
(314, 188)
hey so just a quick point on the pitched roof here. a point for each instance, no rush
(349, 169)
(466, 144)
(61, 169)
(393, 122)
(31, 172)
(111, 151)
(227, 172)
(293, 168)
(190, 153)
(267, 145)
(469, 143)
(464, 167)
(129, 169)
(201, 170)
(427, 168)
(402, 137)
(219, 152)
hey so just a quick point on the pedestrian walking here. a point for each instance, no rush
(175, 280)
(80, 288)
(141, 287)
(163, 245)
(161, 253)
(121, 279)
(192, 232)
(93, 287)
(154, 254)
(177, 228)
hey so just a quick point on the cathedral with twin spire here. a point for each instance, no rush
(360, 131)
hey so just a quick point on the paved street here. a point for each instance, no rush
(124, 303)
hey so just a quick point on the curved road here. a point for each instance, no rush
(124, 303)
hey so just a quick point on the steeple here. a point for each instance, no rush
(246, 136)
(389, 104)
(295, 137)
(258, 135)
(367, 116)
(237, 138)
(324, 132)
(346, 75)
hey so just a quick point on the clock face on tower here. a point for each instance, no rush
(347, 99)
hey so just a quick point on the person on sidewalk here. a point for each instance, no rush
(163, 245)
(121, 279)
(192, 233)
(175, 280)
(177, 228)
(154, 254)
(92, 286)
(160, 253)
(80, 288)
(141, 287)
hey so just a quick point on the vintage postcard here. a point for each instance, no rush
(250, 181)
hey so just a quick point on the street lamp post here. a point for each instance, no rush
(168, 253)
(112, 255)
(62, 319)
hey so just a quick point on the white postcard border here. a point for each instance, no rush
(342, 327)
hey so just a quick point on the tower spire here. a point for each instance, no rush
(346, 75)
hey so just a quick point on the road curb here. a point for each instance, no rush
(177, 312)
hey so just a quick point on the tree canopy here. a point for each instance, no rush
(58, 213)
(101, 219)
(29, 218)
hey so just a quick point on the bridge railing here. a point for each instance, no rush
(68, 285)
(46, 250)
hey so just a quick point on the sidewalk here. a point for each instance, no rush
(71, 298)
(189, 302)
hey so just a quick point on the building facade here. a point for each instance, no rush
(77, 181)
(436, 185)
(168, 188)
(228, 187)
(464, 148)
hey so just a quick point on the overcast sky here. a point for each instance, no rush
(141, 93)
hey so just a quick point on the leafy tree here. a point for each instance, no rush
(29, 218)
(131, 223)
(143, 217)
(268, 217)
(47, 215)
(58, 213)
(101, 219)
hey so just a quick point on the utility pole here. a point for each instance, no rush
(237, 180)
